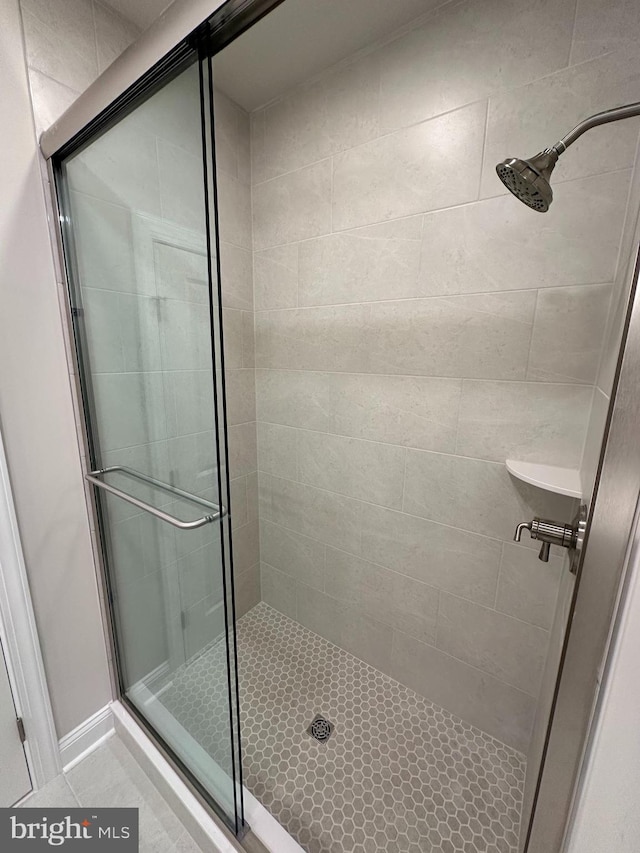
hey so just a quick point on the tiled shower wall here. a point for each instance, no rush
(416, 326)
(69, 43)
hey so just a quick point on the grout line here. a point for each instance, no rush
(499, 575)
(331, 201)
(465, 663)
(484, 148)
(404, 482)
(422, 376)
(389, 444)
(95, 38)
(456, 445)
(426, 297)
(572, 40)
(438, 619)
(429, 521)
(531, 336)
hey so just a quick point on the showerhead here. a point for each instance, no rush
(529, 180)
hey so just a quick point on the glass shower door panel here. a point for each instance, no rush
(137, 251)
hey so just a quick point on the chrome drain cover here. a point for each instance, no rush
(320, 728)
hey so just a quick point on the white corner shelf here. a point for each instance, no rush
(562, 481)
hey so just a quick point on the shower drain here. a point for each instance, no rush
(320, 728)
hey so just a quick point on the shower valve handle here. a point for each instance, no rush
(554, 533)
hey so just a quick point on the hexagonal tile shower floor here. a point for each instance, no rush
(397, 775)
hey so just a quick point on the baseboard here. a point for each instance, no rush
(86, 737)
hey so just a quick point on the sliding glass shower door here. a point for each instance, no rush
(140, 247)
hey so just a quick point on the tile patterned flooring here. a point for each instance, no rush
(110, 777)
(398, 774)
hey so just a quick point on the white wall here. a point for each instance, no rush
(607, 817)
(37, 414)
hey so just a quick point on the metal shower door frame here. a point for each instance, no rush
(611, 521)
(599, 590)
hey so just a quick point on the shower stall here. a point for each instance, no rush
(327, 365)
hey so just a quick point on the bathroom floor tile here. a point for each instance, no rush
(109, 777)
(398, 774)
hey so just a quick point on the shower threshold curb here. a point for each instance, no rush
(207, 830)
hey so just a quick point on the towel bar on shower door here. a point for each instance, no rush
(218, 512)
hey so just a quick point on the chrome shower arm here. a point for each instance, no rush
(617, 113)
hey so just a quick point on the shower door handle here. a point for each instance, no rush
(218, 512)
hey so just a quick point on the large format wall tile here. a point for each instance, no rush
(243, 457)
(464, 52)
(568, 333)
(393, 599)
(474, 695)
(246, 547)
(278, 590)
(231, 137)
(193, 466)
(414, 411)
(345, 626)
(498, 244)
(247, 588)
(480, 336)
(452, 560)
(130, 408)
(533, 422)
(105, 246)
(121, 167)
(275, 274)
(530, 118)
(277, 452)
(236, 277)
(113, 35)
(179, 322)
(180, 273)
(330, 518)
(241, 396)
(181, 100)
(506, 648)
(50, 99)
(297, 556)
(602, 27)
(367, 470)
(189, 401)
(431, 165)
(238, 501)
(102, 313)
(60, 40)
(366, 264)
(295, 206)
(528, 588)
(475, 495)
(234, 211)
(337, 111)
(238, 338)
